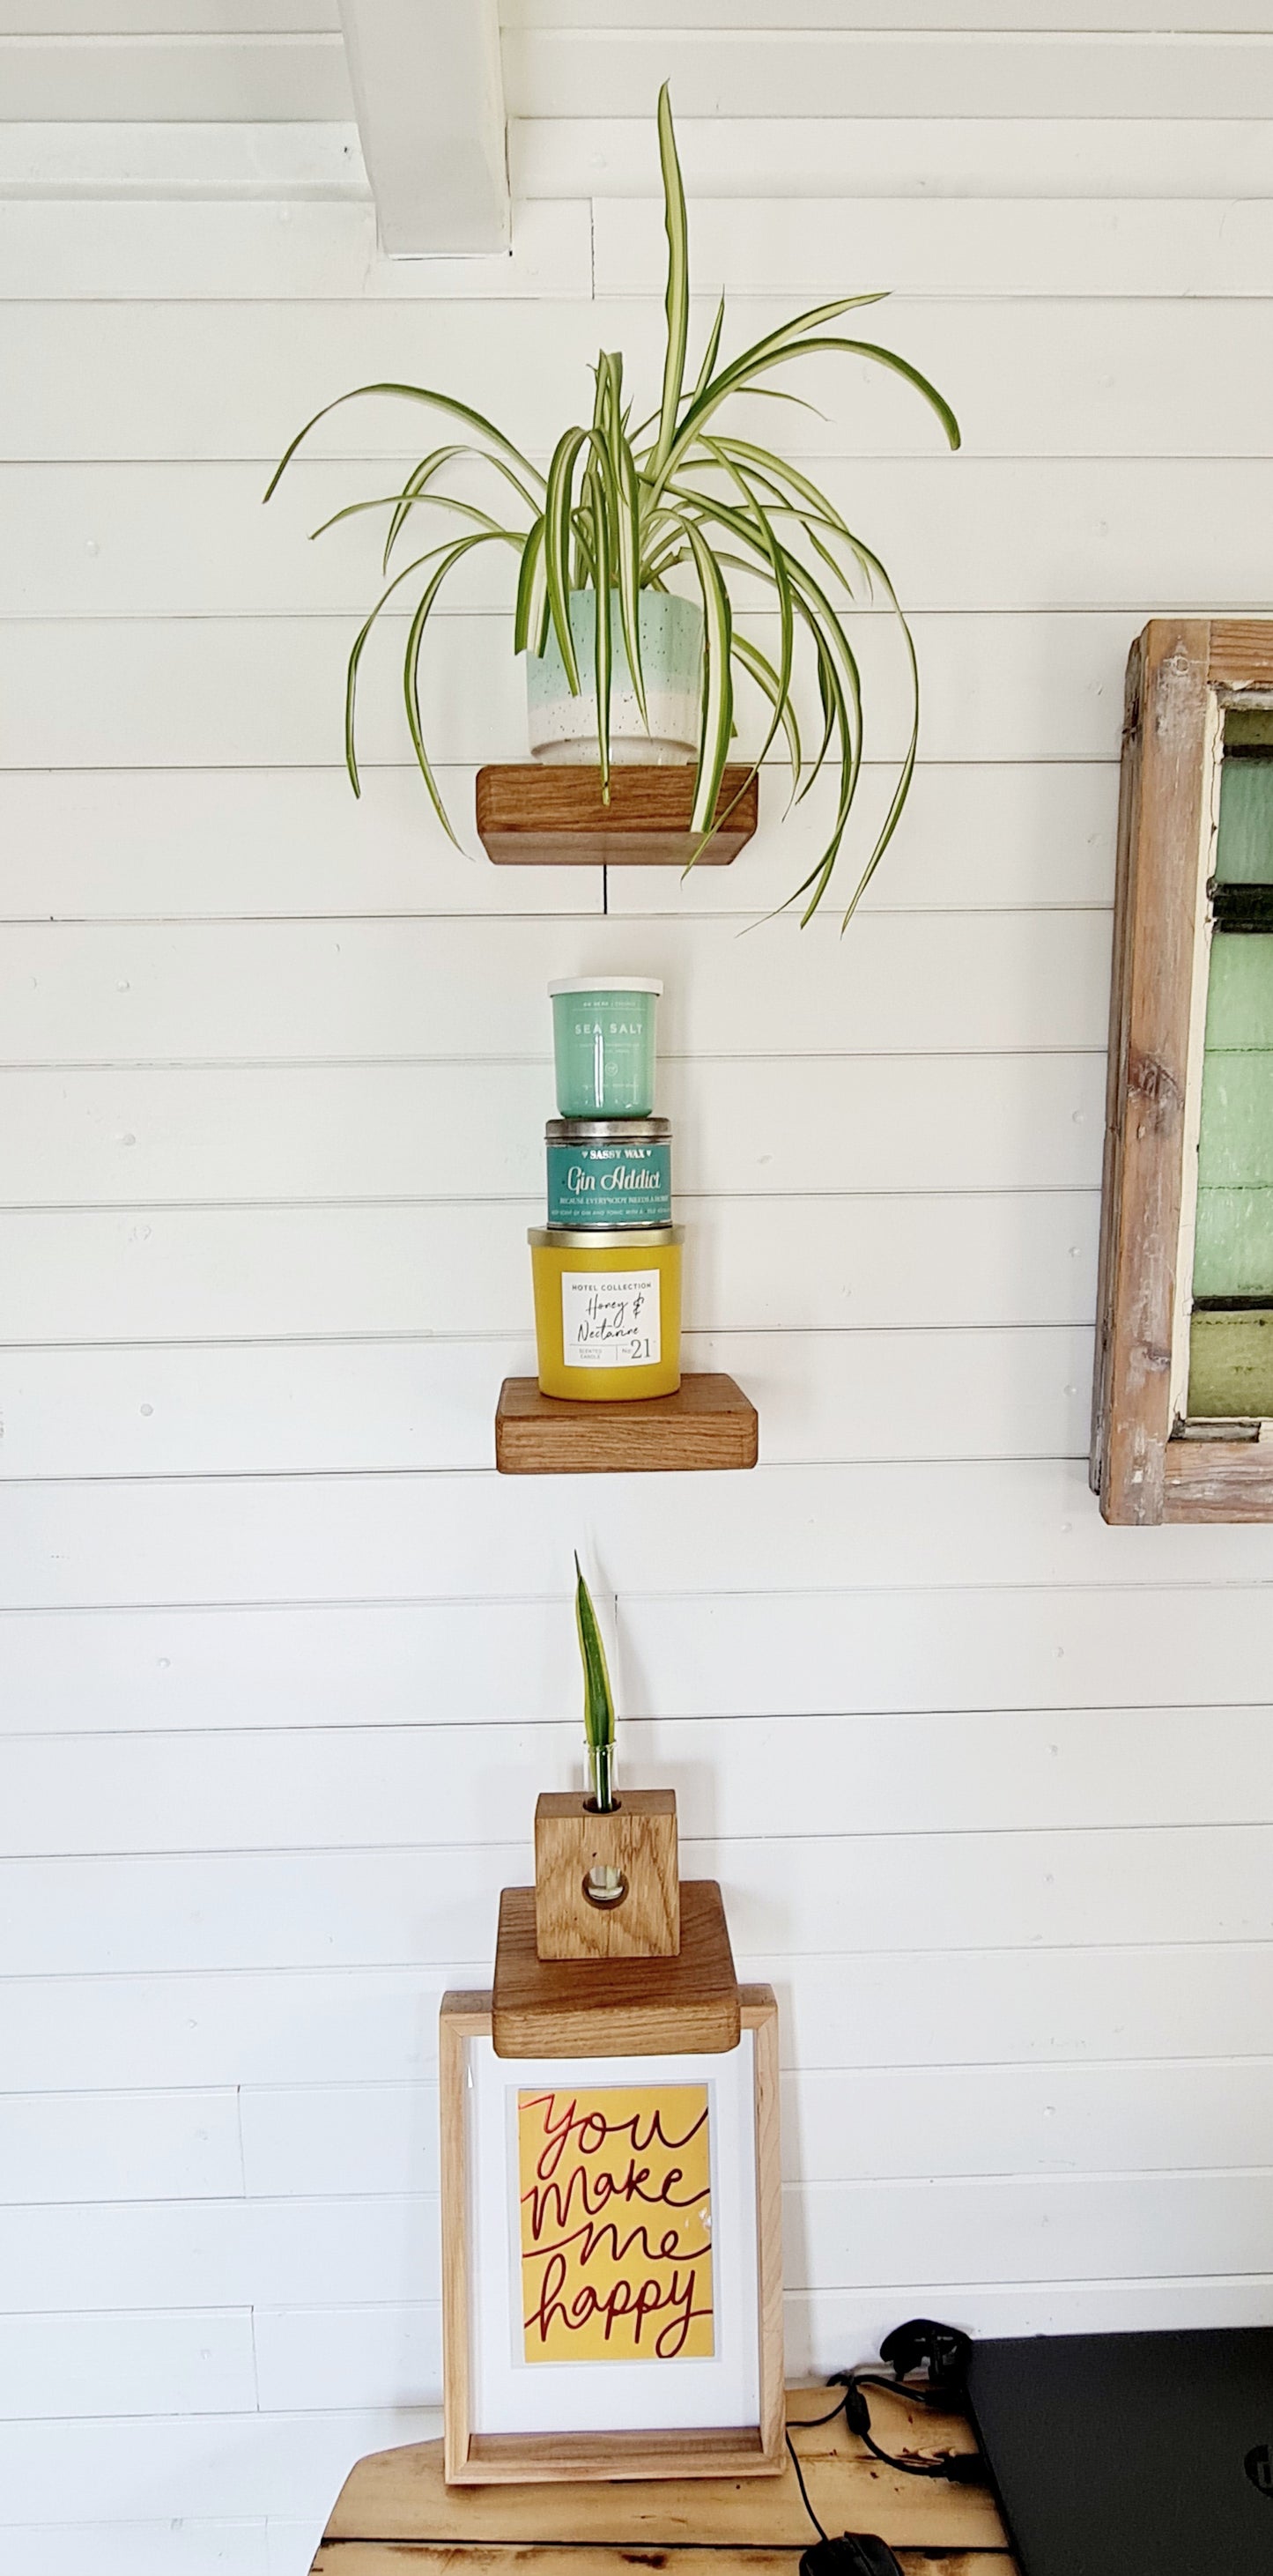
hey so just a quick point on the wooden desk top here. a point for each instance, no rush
(394, 2515)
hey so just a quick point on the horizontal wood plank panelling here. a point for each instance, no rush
(239, 77)
(912, 2125)
(855, 2233)
(260, 1408)
(1019, 158)
(1014, 158)
(83, 247)
(972, 532)
(265, 17)
(425, 1902)
(734, 17)
(307, 1540)
(247, 844)
(283, 2466)
(87, 1135)
(1142, 1647)
(169, 17)
(937, 984)
(207, 1274)
(1121, 2227)
(160, 159)
(1032, 378)
(204, 693)
(786, 71)
(190, 2547)
(120, 2146)
(823, 2326)
(191, 249)
(227, 1673)
(371, 2026)
(132, 2364)
(424, 1663)
(254, 843)
(372, 2356)
(954, 247)
(177, 2254)
(307, 1787)
(377, 2025)
(915, 2008)
(322, 2353)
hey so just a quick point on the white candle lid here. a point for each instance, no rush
(608, 984)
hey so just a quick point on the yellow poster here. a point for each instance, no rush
(616, 2235)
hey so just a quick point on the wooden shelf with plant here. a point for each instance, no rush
(662, 519)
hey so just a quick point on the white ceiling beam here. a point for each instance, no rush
(429, 98)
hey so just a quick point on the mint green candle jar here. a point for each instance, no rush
(603, 1044)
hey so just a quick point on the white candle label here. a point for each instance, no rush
(610, 1318)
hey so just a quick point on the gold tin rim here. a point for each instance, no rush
(603, 1238)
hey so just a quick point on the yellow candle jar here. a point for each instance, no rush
(607, 1310)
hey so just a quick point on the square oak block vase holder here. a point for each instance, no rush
(649, 1974)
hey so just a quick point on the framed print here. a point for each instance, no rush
(611, 2232)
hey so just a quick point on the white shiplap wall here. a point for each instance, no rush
(990, 1787)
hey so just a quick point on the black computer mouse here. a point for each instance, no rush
(855, 2553)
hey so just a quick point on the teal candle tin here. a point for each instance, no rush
(609, 1171)
(603, 1045)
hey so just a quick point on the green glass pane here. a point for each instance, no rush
(1244, 853)
(1231, 1365)
(1233, 1247)
(1231, 1355)
(1235, 1145)
(1240, 990)
(1248, 727)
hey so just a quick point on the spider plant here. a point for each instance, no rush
(677, 498)
(598, 1698)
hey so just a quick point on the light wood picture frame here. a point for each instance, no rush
(1188, 679)
(514, 2414)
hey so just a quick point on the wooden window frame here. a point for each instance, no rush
(1149, 1463)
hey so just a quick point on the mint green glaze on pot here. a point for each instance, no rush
(563, 727)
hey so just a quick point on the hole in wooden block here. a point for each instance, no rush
(605, 1887)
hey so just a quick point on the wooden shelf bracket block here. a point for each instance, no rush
(545, 814)
(643, 2007)
(708, 1423)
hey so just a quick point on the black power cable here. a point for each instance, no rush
(920, 2344)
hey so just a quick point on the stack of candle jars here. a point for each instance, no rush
(607, 1266)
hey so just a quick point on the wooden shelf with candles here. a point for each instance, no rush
(708, 1423)
(552, 815)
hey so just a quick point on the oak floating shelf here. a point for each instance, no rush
(616, 2007)
(545, 815)
(708, 1423)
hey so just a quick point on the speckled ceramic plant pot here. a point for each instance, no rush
(563, 727)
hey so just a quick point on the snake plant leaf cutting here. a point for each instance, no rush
(675, 506)
(598, 1699)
